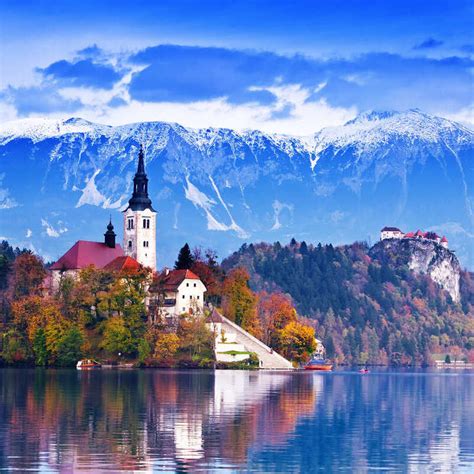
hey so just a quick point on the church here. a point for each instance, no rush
(138, 250)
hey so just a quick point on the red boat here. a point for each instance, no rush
(318, 364)
(86, 364)
(364, 371)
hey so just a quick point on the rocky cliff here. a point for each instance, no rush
(422, 256)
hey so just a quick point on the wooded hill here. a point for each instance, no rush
(365, 310)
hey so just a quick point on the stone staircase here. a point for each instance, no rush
(269, 359)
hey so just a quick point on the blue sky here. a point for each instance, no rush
(283, 66)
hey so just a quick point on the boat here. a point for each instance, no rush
(86, 364)
(364, 371)
(318, 364)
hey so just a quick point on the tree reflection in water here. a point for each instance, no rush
(185, 421)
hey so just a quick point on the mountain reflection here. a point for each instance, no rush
(270, 422)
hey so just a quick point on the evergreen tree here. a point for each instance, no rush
(185, 259)
(303, 248)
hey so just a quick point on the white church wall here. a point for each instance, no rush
(143, 240)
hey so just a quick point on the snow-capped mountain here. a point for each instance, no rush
(60, 179)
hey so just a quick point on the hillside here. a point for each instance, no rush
(60, 180)
(367, 305)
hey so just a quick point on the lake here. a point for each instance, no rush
(228, 421)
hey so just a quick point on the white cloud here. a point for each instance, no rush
(305, 117)
(453, 228)
(464, 116)
(29, 233)
(337, 216)
(51, 231)
(7, 112)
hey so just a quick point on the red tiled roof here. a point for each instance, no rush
(173, 279)
(444, 239)
(84, 253)
(409, 234)
(122, 263)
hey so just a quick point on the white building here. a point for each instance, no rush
(139, 221)
(391, 233)
(177, 292)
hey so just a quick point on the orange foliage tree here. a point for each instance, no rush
(28, 275)
(297, 341)
(166, 346)
(239, 302)
(34, 312)
(275, 311)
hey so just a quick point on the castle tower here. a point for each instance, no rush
(139, 221)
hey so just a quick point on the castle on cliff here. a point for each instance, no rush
(396, 233)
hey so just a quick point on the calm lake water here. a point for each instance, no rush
(183, 421)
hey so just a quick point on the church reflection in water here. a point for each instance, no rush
(145, 420)
(189, 421)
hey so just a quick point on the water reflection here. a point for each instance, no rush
(63, 420)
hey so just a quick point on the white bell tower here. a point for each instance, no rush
(139, 221)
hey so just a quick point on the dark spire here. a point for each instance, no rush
(140, 200)
(141, 162)
(110, 235)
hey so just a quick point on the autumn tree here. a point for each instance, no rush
(275, 311)
(297, 341)
(63, 342)
(52, 338)
(117, 337)
(239, 302)
(127, 299)
(28, 275)
(89, 300)
(15, 348)
(166, 346)
(195, 338)
(34, 312)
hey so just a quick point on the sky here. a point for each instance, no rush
(279, 66)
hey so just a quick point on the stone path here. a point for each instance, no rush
(269, 359)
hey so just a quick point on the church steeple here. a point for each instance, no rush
(139, 220)
(110, 235)
(140, 200)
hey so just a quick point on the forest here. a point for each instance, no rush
(364, 310)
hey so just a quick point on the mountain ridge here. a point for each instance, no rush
(65, 126)
(337, 185)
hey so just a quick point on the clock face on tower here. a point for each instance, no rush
(139, 220)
